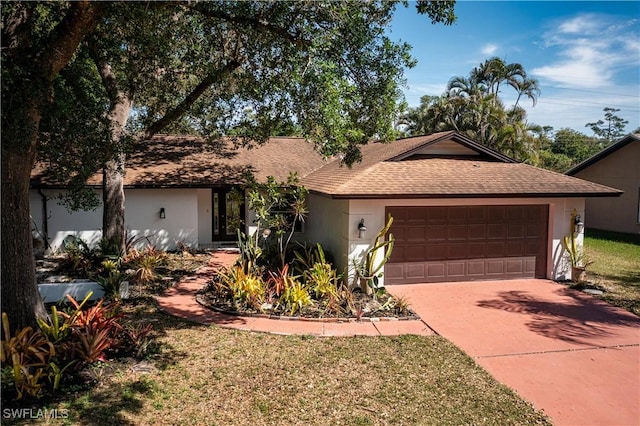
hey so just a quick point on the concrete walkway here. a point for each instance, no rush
(568, 353)
(571, 355)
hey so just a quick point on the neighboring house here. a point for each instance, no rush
(461, 211)
(617, 166)
(183, 177)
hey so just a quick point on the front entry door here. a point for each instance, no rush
(228, 214)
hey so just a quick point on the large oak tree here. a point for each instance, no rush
(112, 74)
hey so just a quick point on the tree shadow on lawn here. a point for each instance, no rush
(577, 318)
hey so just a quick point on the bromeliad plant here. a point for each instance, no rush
(65, 342)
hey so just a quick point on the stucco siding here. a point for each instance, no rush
(621, 170)
(141, 218)
(328, 224)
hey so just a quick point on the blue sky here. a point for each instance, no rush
(584, 54)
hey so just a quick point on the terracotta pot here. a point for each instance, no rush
(578, 274)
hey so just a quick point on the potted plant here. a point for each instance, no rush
(578, 259)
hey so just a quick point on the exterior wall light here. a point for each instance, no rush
(162, 215)
(361, 228)
(576, 223)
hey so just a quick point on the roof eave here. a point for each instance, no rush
(469, 195)
(602, 154)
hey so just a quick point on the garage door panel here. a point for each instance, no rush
(416, 216)
(468, 242)
(436, 270)
(496, 230)
(477, 214)
(460, 270)
(534, 230)
(415, 270)
(496, 249)
(515, 248)
(515, 230)
(457, 233)
(414, 253)
(496, 214)
(477, 232)
(437, 233)
(456, 269)
(457, 251)
(415, 233)
(437, 215)
(515, 213)
(457, 214)
(476, 249)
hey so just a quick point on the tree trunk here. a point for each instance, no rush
(113, 202)
(113, 229)
(20, 297)
(113, 175)
(26, 87)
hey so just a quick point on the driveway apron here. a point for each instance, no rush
(570, 354)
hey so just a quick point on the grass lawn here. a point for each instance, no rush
(616, 267)
(209, 375)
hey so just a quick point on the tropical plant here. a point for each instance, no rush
(245, 287)
(576, 252)
(296, 297)
(145, 262)
(367, 269)
(24, 359)
(280, 281)
(137, 338)
(279, 208)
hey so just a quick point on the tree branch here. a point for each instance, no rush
(79, 21)
(192, 97)
(253, 22)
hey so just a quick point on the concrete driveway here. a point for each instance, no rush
(570, 354)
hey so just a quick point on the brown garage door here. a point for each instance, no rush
(463, 243)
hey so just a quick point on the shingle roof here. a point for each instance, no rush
(187, 161)
(391, 171)
(604, 153)
(405, 168)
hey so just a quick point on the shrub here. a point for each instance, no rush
(25, 358)
(145, 263)
(247, 288)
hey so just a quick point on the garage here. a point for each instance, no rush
(465, 243)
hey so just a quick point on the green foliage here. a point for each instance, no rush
(79, 259)
(145, 262)
(24, 357)
(110, 281)
(279, 208)
(611, 128)
(296, 297)
(137, 338)
(250, 252)
(245, 287)
(321, 278)
(471, 105)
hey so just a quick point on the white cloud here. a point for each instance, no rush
(584, 24)
(586, 51)
(489, 49)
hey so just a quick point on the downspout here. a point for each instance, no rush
(45, 220)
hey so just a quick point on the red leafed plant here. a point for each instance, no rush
(96, 329)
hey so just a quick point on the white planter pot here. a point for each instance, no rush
(55, 292)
